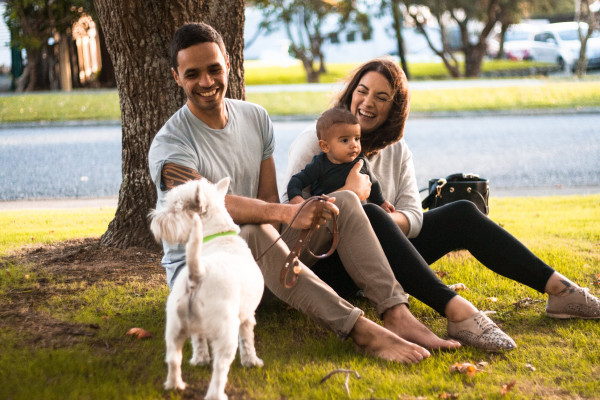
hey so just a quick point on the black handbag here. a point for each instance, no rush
(458, 187)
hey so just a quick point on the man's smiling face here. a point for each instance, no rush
(202, 72)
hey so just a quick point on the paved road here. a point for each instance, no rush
(521, 155)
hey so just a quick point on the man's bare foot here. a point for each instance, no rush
(400, 320)
(379, 342)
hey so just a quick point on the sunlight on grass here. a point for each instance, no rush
(564, 231)
(104, 105)
(23, 227)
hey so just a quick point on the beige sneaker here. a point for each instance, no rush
(480, 332)
(577, 304)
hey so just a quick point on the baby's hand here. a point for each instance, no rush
(388, 207)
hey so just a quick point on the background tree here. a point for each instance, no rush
(396, 9)
(306, 27)
(138, 34)
(463, 13)
(588, 12)
(32, 24)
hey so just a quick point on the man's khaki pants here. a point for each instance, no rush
(359, 251)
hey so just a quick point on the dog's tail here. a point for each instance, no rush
(193, 250)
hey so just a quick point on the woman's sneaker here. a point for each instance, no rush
(479, 331)
(577, 304)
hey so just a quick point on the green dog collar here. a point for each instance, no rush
(216, 235)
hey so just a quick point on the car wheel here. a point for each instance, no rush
(561, 63)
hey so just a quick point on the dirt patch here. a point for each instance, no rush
(75, 264)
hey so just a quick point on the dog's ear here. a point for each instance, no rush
(223, 185)
(170, 226)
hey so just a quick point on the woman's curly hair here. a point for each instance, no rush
(392, 129)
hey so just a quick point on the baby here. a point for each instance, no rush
(339, 139)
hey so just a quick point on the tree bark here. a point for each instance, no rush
(138, 34)
(398, 24)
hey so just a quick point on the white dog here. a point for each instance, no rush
(214, 298)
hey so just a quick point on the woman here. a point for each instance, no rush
(377, 94)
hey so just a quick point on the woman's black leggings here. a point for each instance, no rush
(455, 226)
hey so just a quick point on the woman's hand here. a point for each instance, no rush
(388, 207)
(357, 182)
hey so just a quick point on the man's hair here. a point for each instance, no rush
(332, 117)
(392, 129)
(191, 34)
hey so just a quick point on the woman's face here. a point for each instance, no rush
(372, 101)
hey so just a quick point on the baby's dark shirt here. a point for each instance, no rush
(325, 177)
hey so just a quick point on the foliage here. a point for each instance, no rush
(304, 23)
(554, 358)
(33, 22)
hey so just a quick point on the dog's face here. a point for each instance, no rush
(173, 222)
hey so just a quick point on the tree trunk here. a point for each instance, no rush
(473, 59)
(138, 34)
(398, 23)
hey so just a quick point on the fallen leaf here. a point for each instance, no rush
(26, 276)
(482, 364)
(440, 274)
(507, 388)
(448, 396)
(492, 299)
(464, 368)
(7, 273)
(139, 333)
(530, 367)
(458, 286)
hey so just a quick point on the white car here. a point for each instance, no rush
(517, 44)
(559, 43)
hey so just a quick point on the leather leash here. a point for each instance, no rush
(291, 262)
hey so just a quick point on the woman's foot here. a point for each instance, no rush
(377, 341)
(480, 332)
(576, 303)
(567, 300)
(400, 321)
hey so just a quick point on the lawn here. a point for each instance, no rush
(553, 93)
(66, 304)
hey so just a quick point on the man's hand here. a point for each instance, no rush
(308, 214)
(357, 182)
(388, 207)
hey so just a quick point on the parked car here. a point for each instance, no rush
(559, 43)
(518, 40)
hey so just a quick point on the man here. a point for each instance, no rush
(212, 137)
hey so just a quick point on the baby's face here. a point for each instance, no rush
(343, 143)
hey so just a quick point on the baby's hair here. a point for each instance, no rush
(332, 117)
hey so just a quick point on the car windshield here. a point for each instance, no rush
(573, 34)
(516, 35)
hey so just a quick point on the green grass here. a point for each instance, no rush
(103, 105)
(258, 73)
(563, 231)
(24, 227)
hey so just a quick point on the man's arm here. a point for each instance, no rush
(244, 210)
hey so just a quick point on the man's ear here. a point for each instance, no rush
(176, 76)
(324, 146)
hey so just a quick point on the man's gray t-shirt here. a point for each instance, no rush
(235, 151)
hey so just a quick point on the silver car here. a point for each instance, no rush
(559, 43)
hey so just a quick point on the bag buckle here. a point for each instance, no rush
(440, 184)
